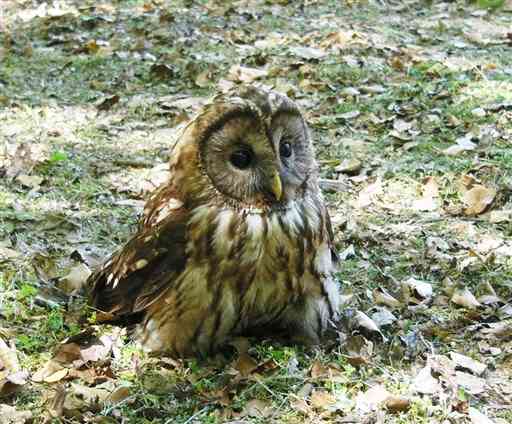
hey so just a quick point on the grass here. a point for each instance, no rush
(52, 78)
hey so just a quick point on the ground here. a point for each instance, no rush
(410, 107)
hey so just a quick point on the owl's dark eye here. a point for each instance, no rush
(285, 149)
(241, 159)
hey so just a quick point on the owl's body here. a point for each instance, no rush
(228, 245)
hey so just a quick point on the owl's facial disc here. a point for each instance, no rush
(256, 165)
(241, 161)
(291, 140)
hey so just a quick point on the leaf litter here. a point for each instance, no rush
(410, 111)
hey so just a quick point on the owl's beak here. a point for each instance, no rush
(277, 186)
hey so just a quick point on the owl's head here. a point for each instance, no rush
(254, 148)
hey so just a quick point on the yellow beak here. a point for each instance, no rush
(277, 186)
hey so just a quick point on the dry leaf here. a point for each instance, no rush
(359, 350)
(498, 329)
(240, 73)
(463, 297)
(257, 408)
(8, 358)
(381, 296)
(478, 199)
(463, 144)
(349, 166)
(416, 291)
(383, 317)
(321, 399)
(496, 217)
(468, 363)
(397, 404)
(162, 71)
(430, 196)
(51, 372)
(470, 383)
(203, 79)
(245, 364)
(364, 321)
(25, 157)
(30, 181)
(12, 377)
(7, 253)
(10, 415)
(80, 397)
(368, 195)
(308, 53)
(97, 350)
(372, 398)
(76, 279)
(118, 395)
(328, 372)
(477, 417)
(339, 39)
(424, 383)
(107, 103)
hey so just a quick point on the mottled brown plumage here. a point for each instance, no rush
(238, 240)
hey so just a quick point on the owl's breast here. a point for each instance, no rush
(266, 260)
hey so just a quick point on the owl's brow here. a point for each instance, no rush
(224, 119)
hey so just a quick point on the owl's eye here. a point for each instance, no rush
(285, 149)
(241, 159)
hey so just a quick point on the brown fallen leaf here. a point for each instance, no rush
(464, 144)
(56, 404)
(8, 357)
(240, 73)
(477, 417)
(364, 322)
(30, 181)
(359, 350)
(467, 363)
(496, 217)
(12, 377)
(328, 372)
(430, 196)
(397, 403)
(25, 157)
(320, 399)
(371, 399)
(416, 291)
(424, 383)
(80, 397)
(463, 297)
(382, 297)
(307, 53)
(470, 383)
(119, 395)
(107, 103)
(478, 199)
(162, 71)
(501, 329)
(75, 279)
(10, 415)
(244, 364)
(257, 408)
(51, 372)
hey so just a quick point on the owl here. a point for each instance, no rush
(237, 241)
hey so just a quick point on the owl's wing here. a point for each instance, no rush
(135, 277)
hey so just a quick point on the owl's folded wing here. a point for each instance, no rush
(134, 277)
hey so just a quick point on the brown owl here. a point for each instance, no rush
(237, 241)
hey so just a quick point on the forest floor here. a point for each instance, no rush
(410, 108)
